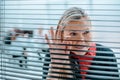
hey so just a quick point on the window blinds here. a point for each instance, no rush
(28, 57)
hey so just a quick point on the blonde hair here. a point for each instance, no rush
(73, 13)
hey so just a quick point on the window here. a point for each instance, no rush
(23, 57)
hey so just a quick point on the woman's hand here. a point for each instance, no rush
(58, 47)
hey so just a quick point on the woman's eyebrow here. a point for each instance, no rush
(78, 30)
(73, 30)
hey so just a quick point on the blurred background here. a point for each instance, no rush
(33, 16)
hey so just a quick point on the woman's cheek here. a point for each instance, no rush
(88, 37)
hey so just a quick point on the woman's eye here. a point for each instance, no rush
(73, 34)
(86, 32)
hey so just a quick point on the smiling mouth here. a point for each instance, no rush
(79, 47)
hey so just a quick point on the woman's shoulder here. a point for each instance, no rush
(102, 50)
(100, 47)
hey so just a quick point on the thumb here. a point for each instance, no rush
(68, 48)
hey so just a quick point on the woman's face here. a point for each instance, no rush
(78, 35)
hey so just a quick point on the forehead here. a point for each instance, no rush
(78, 25)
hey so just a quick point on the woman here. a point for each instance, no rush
(74, 55)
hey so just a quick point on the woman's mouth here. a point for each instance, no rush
(78, 47)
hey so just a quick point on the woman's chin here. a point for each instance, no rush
(81, 51)
(78, 53)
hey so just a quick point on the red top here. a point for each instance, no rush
(86, 61)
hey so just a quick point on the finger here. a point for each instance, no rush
(49, 42)
(52, 33)
(47, 39)
(54, 40)
(66, 47)
(69, 46)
